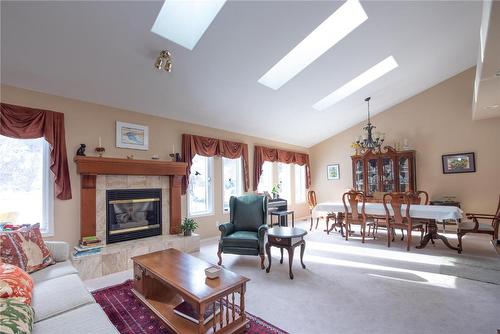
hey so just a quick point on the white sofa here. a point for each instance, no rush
(61, 302)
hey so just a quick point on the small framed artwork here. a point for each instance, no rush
(459, 163)
(333, 172)
(133, 136)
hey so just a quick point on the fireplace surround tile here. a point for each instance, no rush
(137, 181)
(116, 181)
(116, 257)
(114, 262)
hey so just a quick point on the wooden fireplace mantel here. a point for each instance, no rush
(90, 167)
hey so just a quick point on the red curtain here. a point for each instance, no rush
(262, 154)
(28, 123)
(210, 147)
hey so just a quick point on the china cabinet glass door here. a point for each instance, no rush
(373, 176)
(404, 174)
(388, 182)
(359, 176)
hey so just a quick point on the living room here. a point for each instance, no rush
(141, 154)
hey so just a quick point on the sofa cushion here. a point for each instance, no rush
(82, 320)
(16, 317)
(25, 248)
(57, 270)
(248, 212)
(242, 239)
(58, 295)
(15, 282)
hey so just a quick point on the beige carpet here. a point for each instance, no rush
(350, 287)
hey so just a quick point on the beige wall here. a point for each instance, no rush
(86, 122)
(435, 122)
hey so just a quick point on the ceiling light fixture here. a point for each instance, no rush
(370, 75)
(164, 61)
(344, 20)
(184, 22)
(370, 141)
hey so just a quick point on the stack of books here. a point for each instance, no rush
(187, 311)
(87, 246)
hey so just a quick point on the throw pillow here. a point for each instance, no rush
(26, 247)
(15, 282)
(16, 317)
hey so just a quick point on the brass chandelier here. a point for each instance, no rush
(370, 141)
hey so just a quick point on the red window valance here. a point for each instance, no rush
(262, 154)
(28, 123)
(210, 147)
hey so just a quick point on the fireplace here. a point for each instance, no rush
(132, 214)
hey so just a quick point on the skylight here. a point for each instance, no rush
(344, 20)
(184, 22)
(372, 74)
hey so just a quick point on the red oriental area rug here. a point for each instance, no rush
(130, 316)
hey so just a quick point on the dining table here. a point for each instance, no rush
(432, 213)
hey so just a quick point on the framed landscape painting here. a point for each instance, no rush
(333, 172)
(459, 163)
(133, 136)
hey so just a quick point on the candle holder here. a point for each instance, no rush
(100, 150)
(176, 157)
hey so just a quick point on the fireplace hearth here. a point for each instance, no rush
(132, 214)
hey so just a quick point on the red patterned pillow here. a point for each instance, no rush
(25, 248)
(15, 283)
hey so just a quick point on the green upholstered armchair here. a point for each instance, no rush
(244, 234)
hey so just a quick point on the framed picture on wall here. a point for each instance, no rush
(333, 172)
(459, 163)
(132, 136)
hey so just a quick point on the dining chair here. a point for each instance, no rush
(475, 226)
(400, 218)
(355, 216)
(312, 202)
(420, 197)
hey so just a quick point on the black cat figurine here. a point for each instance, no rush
(81, 150)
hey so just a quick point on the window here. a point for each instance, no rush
(266, 178)
(284, 180)
(300, 184)
(200, 192)
(231, 180)
(27, 188)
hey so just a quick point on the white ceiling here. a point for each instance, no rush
(103, 52)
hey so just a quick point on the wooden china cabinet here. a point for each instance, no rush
(385, 171)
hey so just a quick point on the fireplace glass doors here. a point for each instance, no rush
(133, 214)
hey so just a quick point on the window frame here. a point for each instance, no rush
(289, 180)
(302, 170)
(47, 190)
(209, 192)
(47, 193)
(271, 176)
(239, 183)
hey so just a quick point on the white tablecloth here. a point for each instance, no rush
(436, 212)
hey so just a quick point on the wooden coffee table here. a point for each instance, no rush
(288, 238)
(163, 279)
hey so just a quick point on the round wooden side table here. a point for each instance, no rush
(287, 238)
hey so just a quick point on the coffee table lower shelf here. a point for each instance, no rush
(163, 306)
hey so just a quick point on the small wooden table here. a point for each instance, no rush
(288, 238)
(163, 279)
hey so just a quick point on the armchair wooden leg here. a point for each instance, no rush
(262, 258)
(317, 222)
(363, 231)
(311, 227)
(219, 254)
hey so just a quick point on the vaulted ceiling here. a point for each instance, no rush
(103, 52)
